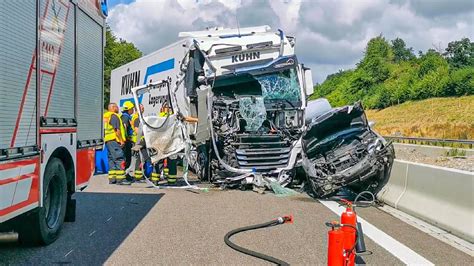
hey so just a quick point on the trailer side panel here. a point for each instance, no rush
(160, 65)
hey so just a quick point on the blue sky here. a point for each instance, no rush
(330, 34)
(112, 3)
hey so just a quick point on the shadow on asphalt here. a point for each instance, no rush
(103, 221)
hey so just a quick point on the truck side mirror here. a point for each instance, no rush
(308, 81)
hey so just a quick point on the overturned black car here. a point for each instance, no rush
(341, 150)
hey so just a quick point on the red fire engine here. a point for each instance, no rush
(51, 90)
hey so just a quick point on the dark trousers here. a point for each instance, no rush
(127, 152)
(114, 155)
(146, 158)
(173, 166)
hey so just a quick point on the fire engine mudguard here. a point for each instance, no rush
(42, 226)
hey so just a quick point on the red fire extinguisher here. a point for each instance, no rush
(348, 226)
(335, 245)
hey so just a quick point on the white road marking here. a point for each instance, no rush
(67, 254)
(93, 232)
(402, 252)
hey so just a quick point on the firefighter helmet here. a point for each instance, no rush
(128, 105)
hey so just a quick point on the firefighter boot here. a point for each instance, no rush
(166, 175)
(171, 179)
(172, 171)
(155, 178)
(112, 177)
(138, 175)
(120, 176)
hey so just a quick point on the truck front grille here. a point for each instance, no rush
(262, 152)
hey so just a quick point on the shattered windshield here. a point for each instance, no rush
(280, 85)
(252, 109)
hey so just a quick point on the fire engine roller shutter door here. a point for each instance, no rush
(61, 103)
(89, 79)
(17, 46)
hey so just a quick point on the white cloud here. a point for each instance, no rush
(331, 35)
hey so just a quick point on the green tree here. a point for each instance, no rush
(400, 51)
(401, 81)
(117, 52)
(461, 82)
(429, 62)
(378, 54)
(460, 53)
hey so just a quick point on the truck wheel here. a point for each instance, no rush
(202, 163)
(42, 226)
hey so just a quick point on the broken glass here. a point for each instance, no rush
(252, 109)
(280, 85)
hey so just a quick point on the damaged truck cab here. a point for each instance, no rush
(256, 96)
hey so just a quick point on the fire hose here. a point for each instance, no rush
(278, 221)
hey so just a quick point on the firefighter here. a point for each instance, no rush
(170, 166)
(139, 143)
(126, 119)
(114, 137)
(140, 146)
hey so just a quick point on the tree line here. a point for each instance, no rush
(390, 73)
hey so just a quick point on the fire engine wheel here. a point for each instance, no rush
(42, 226)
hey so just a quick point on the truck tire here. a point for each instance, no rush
(42, 226)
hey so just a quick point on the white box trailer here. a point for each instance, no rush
(51, 87)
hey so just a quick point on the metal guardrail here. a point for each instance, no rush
(467, 142)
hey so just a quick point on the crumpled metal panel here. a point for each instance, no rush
(253, 111)
(280, 86)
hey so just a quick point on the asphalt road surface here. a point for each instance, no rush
(138, 225)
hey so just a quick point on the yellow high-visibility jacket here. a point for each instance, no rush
(132, 122)
(109, 131)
